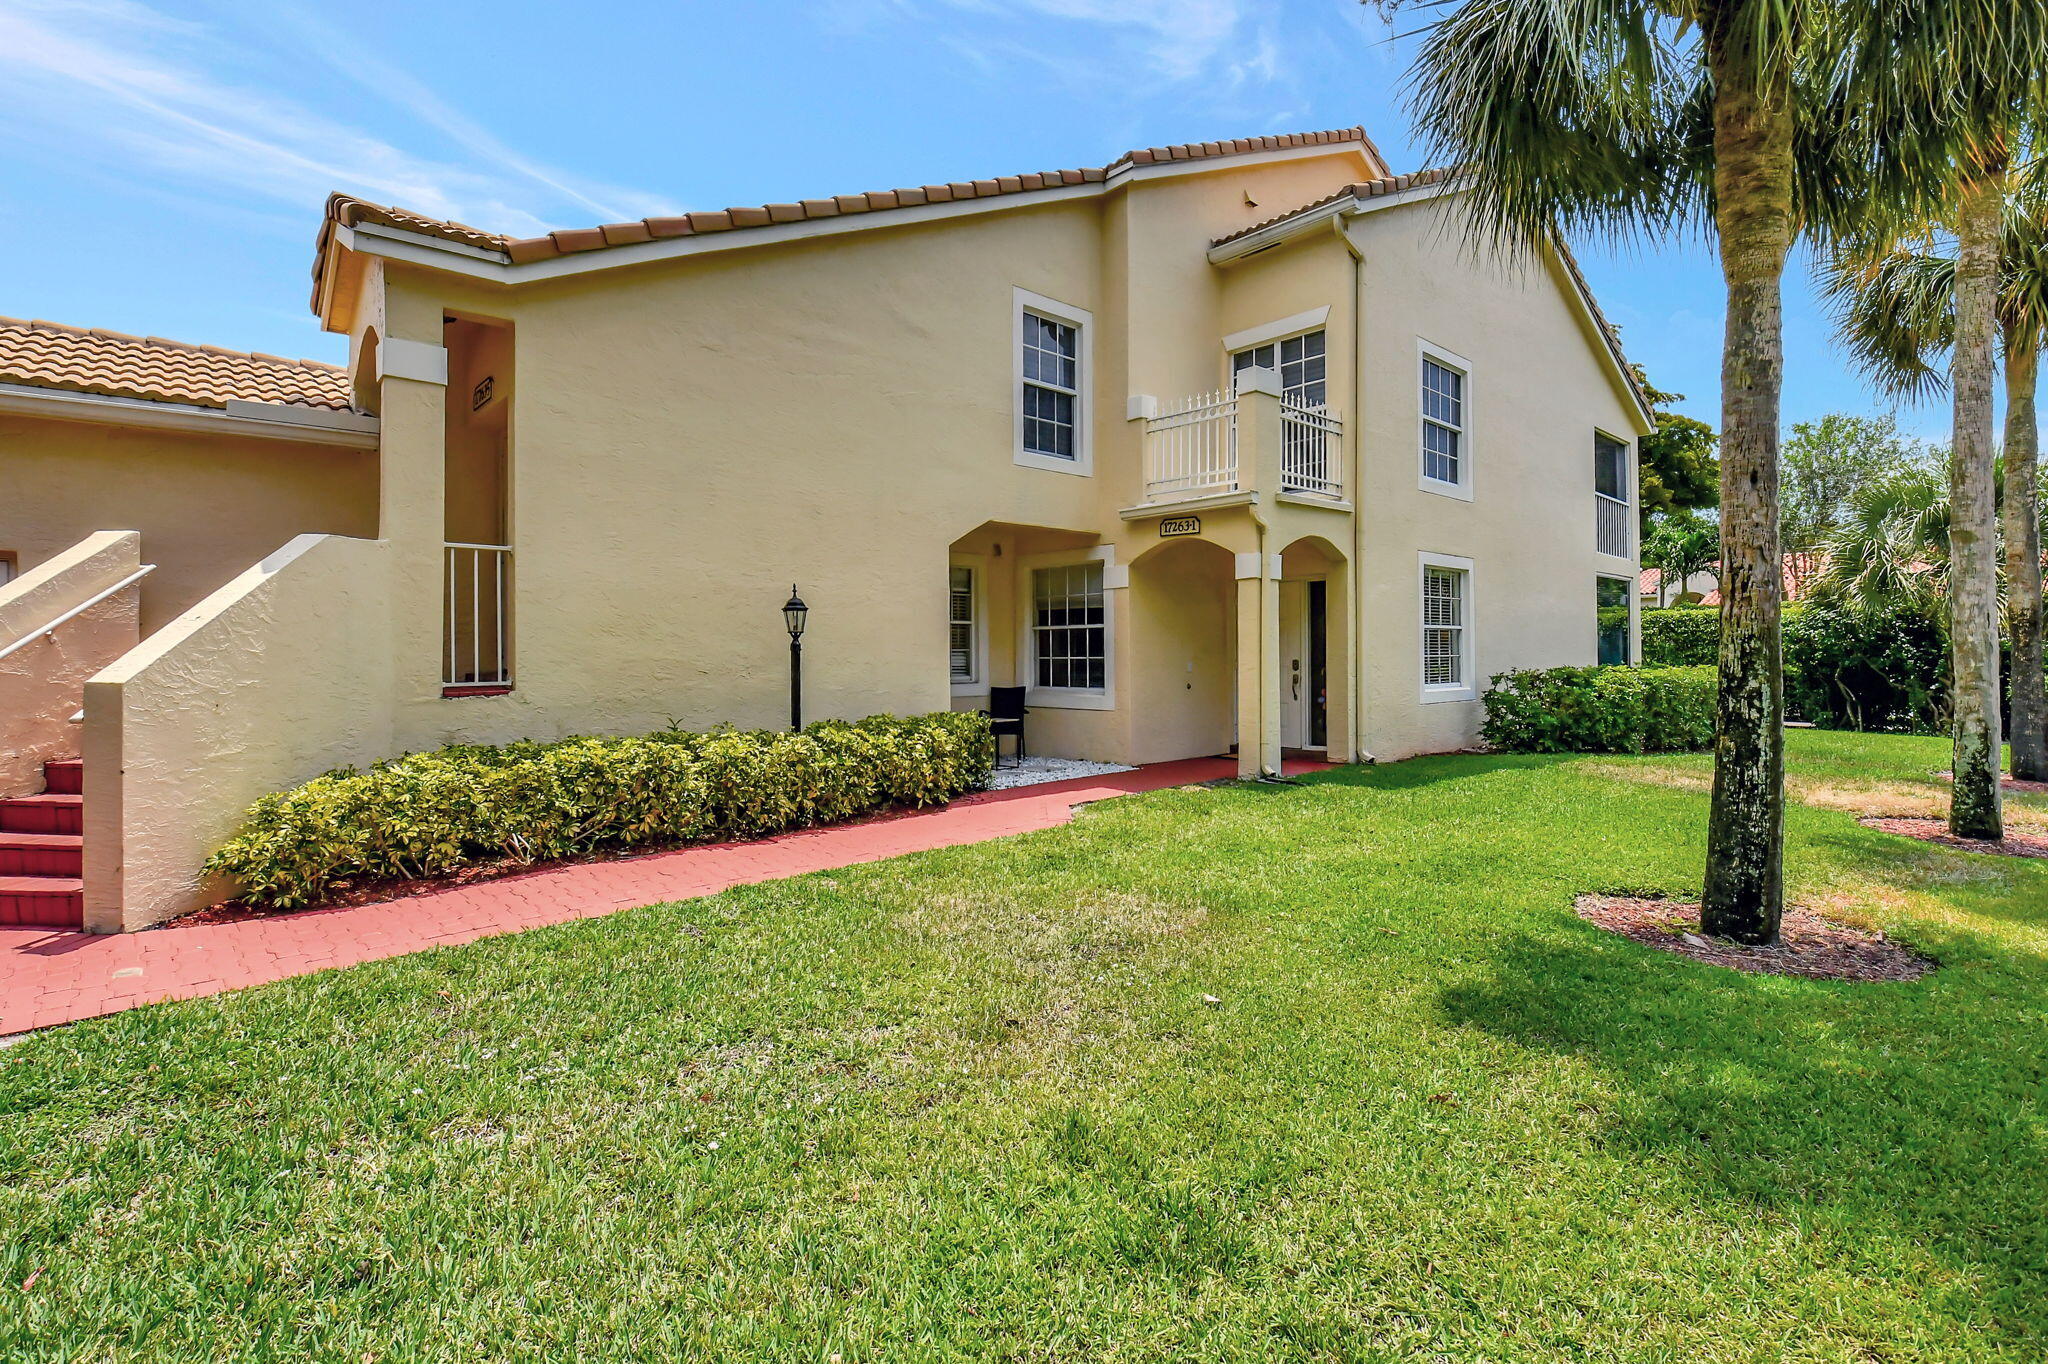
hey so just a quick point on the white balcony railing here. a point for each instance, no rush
(1610, 525)
(1194, 449)
(1311, 446)
(479, 614)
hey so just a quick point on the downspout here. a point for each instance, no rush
(1341, 225)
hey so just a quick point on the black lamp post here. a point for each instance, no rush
(793, 613)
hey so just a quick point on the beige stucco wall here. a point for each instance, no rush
(281, 674)
(1535, 396)
(41, 683)
(207, 506)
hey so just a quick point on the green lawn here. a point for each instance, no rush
(973, 1104)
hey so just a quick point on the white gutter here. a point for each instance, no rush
(268, 421)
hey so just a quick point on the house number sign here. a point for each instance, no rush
(1180, 525)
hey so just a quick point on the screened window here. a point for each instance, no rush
(1298, 360)
(1443, 423)
(1443, 627)
(1612, 614)
(963, 642)
(1052, 386)
(1610, 467)
(1069, 638)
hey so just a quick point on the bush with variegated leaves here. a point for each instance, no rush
(432, 814)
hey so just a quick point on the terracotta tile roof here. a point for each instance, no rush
(345, 211)
(1370, 189)
(82, 360)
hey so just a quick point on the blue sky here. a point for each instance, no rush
(163, 164)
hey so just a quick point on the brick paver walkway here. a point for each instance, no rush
(51, 976)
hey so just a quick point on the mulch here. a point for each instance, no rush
(1936, 831)
(1808, 945)
(2012, 784)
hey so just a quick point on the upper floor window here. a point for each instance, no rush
(1610, 466)
(1052, 379)
(1298, 360)
(1445, 429)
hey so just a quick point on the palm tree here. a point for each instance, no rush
(1896, 309)
(1891, 550)
(1680, 545)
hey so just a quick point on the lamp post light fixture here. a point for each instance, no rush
(794, 613)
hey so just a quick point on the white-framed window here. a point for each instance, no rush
(1298, 360)
(1611, 618)
(1447, 656)
(1069, 628)
(1610, 495)
(1051, 342)
(964, 626)
(1444, 421)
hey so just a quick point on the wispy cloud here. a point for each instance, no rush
(149, 93)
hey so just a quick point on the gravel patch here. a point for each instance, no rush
(1808, 945)
(1936, 831)
(1037, 771)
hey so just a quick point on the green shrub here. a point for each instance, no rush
(1601, 710)
(1884, 669)
(1681, 637)
(431, 814)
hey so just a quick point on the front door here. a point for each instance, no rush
(1303, 664)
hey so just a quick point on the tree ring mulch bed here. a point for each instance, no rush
(1936, 831)
(2016, 785)
(1808, 945)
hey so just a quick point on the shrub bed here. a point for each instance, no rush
(1601, 710)
(1681, 637)
(432, 814)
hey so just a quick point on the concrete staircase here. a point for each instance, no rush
(41, 852)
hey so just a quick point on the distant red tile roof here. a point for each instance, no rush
(115, 364)
(346, 211)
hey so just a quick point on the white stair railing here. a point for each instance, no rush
(479, 611)
(1192, 448)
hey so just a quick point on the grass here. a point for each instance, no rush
(976, 1104)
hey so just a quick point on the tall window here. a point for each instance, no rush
(1298, 360)
(1069, 640)
(1052, 386)
(963, 643)
(1443, 423)
(1610, 467)
(1611, 611)
(1443, 627)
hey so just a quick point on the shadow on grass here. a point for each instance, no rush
(1893, 1115)
(1439, 769)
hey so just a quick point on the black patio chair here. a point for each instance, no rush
(1006, 712)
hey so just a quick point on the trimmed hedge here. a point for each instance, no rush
(431, 814)
(1681, 637)
(1601, 710)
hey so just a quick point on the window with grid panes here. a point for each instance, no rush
(1298, 360)
(1443, 627)
(1052, 386)
(1069, 637)
(1443, 422)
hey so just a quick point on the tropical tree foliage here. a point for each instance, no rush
(1826, 462)
(1678, 463)
(1678, 546)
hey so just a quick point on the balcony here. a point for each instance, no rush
(1243, 441)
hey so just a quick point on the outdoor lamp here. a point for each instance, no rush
(794, 613)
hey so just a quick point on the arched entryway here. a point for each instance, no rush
(1183, 651)
(1314, 662)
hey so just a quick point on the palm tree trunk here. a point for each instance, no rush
(1744, 894)
(2023, 556)
(1975, 809)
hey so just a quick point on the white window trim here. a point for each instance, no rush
(1315, 319)
(1462, 489)
(1066, 698)
(1083, 323)
(1468, 690)
(1631, 463)
(1629, 596)
(980, 684)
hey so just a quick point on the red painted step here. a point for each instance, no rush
(64, 777)
(41, 855)
(49, 813)
(42, 901)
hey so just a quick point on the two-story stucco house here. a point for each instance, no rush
(1236, 445)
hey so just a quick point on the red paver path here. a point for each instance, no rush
(52, 976)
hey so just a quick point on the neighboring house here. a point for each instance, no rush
(1230, 444)
(1704, 588)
